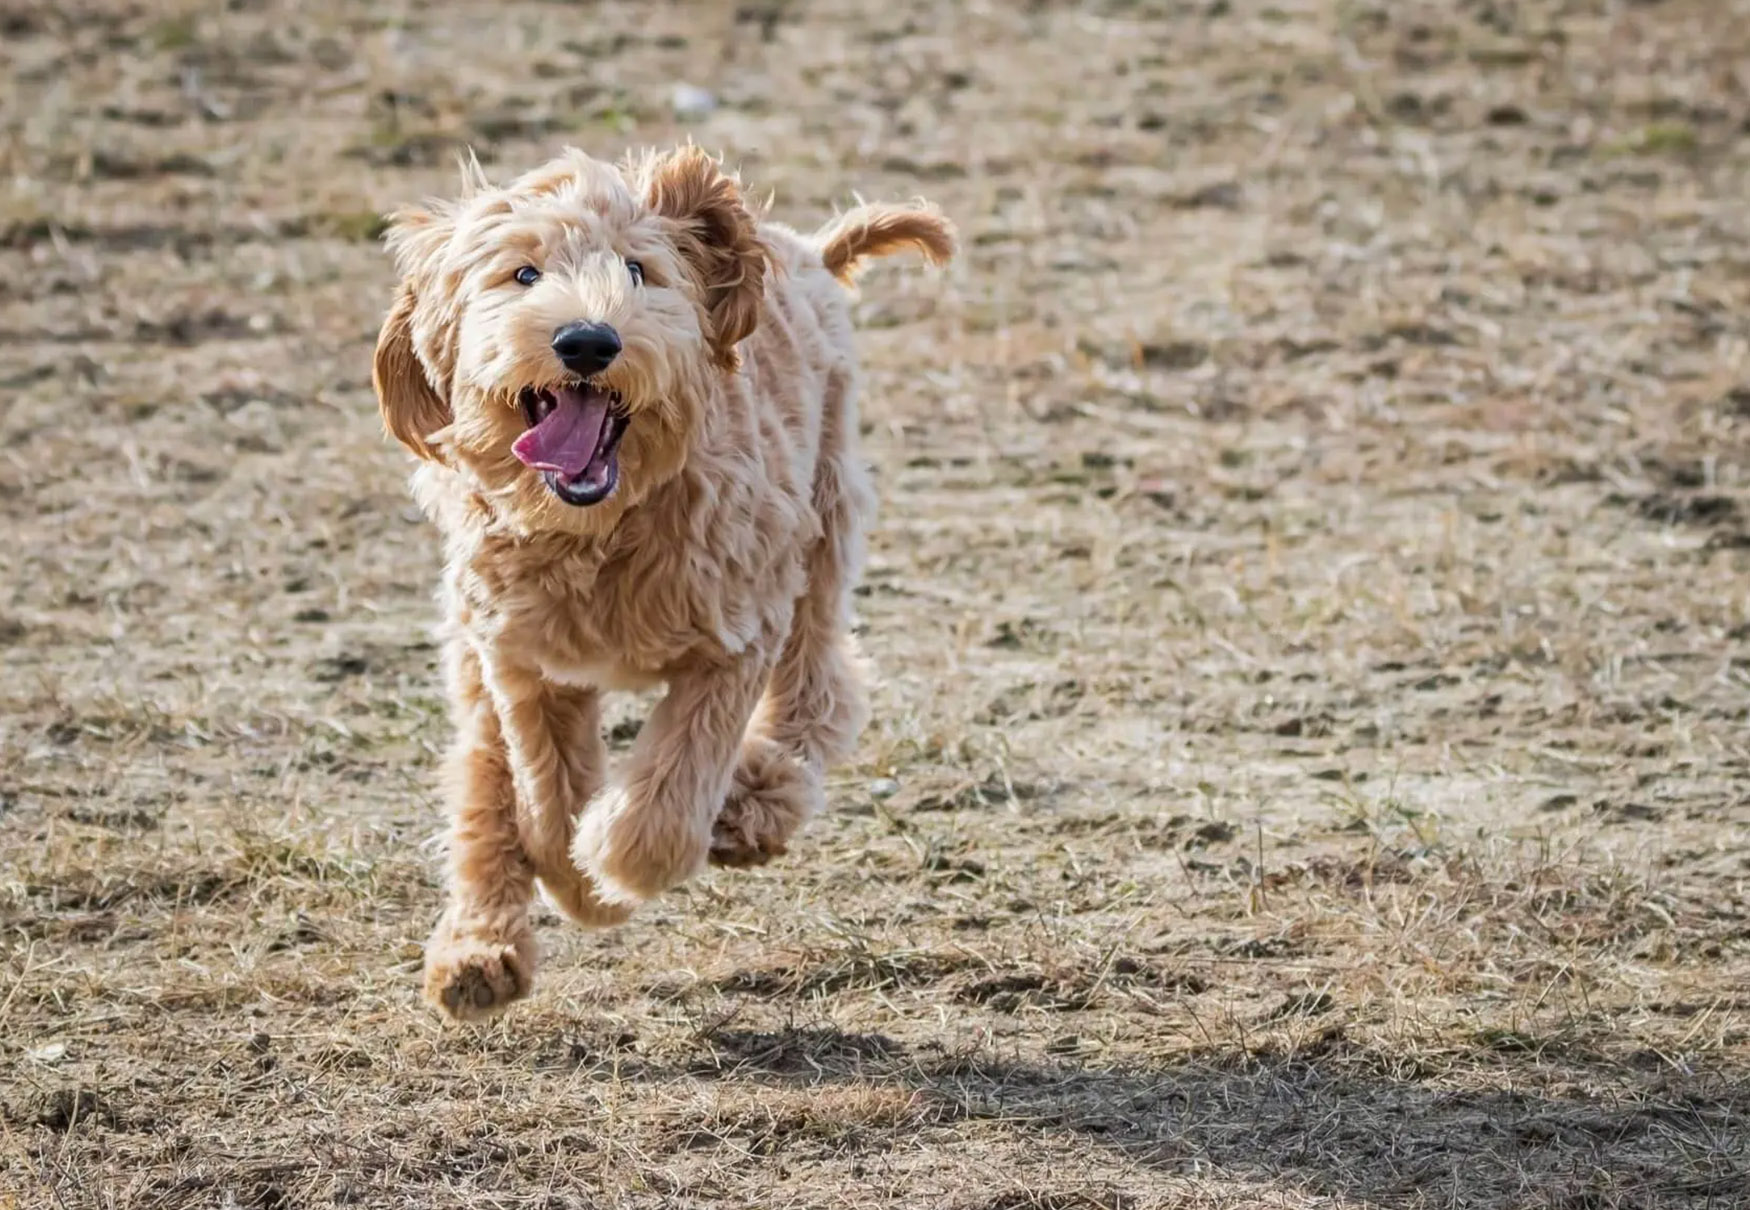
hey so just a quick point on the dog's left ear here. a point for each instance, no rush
(719, 238)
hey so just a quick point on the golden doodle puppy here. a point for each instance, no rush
(635, 409)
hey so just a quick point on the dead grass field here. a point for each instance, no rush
(1311, 764)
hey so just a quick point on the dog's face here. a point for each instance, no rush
(555, 338)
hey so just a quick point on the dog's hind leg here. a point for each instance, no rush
(815, 704)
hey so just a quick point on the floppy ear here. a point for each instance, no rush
(719, 238)
(413, 406)
(412, 409)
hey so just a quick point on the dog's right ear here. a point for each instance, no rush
(412, 409)
(407, 361)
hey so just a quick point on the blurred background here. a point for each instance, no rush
(1309, 766)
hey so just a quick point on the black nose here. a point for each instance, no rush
(586, 348)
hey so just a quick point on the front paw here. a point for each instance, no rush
(772, 796)
(634, 850)
(471, 977)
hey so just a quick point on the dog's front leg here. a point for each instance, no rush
(528, 755)
(553, 736)
(482, 954)
(652, 830)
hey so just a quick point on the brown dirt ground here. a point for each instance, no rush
(1311, 762)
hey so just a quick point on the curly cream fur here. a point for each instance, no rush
(721, 567)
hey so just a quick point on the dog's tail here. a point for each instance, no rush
(880, 229)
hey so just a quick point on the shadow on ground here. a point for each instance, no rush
(1337, 1119)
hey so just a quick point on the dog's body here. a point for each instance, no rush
(719, 561)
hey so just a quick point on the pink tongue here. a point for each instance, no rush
(567, 438)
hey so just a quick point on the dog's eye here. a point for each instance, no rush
(637, 272)
(528, 275)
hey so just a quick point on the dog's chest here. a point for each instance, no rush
(674, 585)
(624, 624)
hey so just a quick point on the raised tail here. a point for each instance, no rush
(880, 229)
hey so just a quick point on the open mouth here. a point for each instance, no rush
(573, 439)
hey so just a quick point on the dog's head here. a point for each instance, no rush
(556, 338)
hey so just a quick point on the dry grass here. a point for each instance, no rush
(1311, 759)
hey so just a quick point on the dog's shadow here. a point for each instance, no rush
(1339, 1121)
